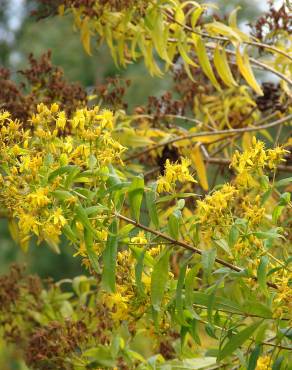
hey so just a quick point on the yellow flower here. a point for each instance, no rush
(28, 223)
(39, 198)
(139, 239)
(58, 218)
(263, 363)
(213, 206)
(106, 119)
(61, 120)
(275, 156)
(174, 172)
(118, 304)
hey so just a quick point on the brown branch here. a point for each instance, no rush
(222, 38)
(245, 314)
(185, 245)
(209, 133)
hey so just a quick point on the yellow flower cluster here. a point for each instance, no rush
(263, 363)
(174, 172)
(215, 207)
(283, 298)
(122, 301)
(253, 161)
(38, 166)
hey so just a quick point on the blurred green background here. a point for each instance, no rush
(20, 35)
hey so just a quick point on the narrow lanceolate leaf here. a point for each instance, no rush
(252, 363)
(179, 291)
(198, 161)
(93, 258)
(262, 273)
(183, 50)
(237, 340)
(85, 36)
(139, 271)
(205, 63)
(151, 207)
(246, 71)
(136, 191)
(173, 225)
(222, 67)
(208, 260)
(195, 16)
(159, 279)
(82, 216)
(232, 19)
(109, 258)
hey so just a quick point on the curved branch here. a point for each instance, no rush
(185, 245)
(221, 38)
(210, 133)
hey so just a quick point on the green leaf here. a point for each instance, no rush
(159, 279)
(82, 216)
(93, 258)
(210, 331)
(277, 364)
(262, 273)
(151, 206)
(69, 233)
(277, 213)
(237, 340)
(139, 271)
(62, 170)
(252, 362)
(208, 259)
(179, 291)
(109, 258)
(194, 331)
(62, 195)
(284, 199)
(271, 234)
(233, 236)
(223, 244)
(136, 191)
(173, 224)
(283, 182)
(190, 282)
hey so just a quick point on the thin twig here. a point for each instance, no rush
(185, 245)
(222, 38)
(209, 133)
(245, 314)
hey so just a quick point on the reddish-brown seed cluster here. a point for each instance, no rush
(42, 82)
(47, 346)
(46, 8)
(112, 93)
(272, 22)
(271, 98)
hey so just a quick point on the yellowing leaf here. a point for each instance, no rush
(246, 141)
(232, 20)
(246, 71)
(195, 16)
(179, 15)
(205, 63)
(198, 160)
(160, 38)
(85, 35)
(222, 66)
(129, 138)
(182, 48)
(222, 29)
